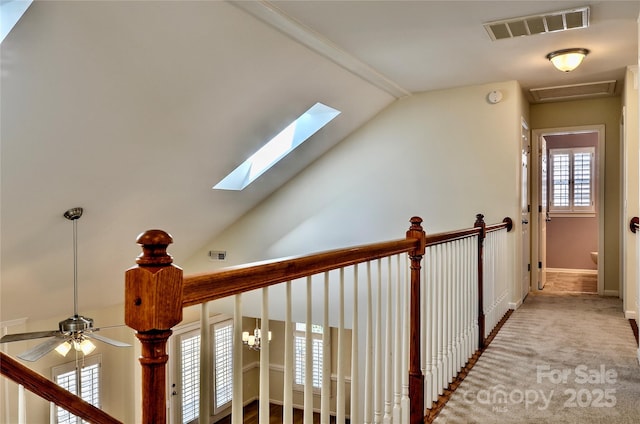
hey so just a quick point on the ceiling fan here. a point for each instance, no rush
(75, 332)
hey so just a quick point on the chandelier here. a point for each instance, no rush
(254, 341)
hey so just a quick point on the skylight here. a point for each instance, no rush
(10, 12)
(278, 147)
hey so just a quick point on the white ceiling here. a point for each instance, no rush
(134, 110)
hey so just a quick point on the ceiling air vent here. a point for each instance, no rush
(562, 20)
(575, 91)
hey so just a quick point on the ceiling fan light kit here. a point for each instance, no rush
(74, 332)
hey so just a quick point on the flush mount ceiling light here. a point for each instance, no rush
(567, 60)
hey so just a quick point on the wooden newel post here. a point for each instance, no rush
(153, 305)
(482, 225)
(416, 379)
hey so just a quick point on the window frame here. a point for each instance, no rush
(77, 366)
(571, 210)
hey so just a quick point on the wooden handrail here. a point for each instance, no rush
(52, 392)
(205, 287)
(200, 288)
(634, 225)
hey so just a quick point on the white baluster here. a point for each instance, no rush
(397, 357)
(264, 360)
(355, 365)
(308, 360)
(378, 351)
(405, 402)
(340, 386)
(22, 408)
(287, 408)
(205, 364)
(326, 353)
(427, 318)
(237, 395)
(368, 355)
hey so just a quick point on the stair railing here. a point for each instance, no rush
(156, 292)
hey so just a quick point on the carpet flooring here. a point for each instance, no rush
(560, 358)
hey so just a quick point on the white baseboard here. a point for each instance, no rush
(630, 314)
(613, 293)
(515, 305)
(573, 271)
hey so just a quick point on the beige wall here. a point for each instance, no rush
(631, 199)
(443, 155)
(605, 111)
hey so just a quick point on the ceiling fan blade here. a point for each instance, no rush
(107, 340)
(42, 349)
(28, 336)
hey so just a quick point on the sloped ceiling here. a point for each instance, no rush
(134, 110)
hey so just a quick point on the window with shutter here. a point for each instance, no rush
(185, 368)
(300, 354)
(223, 363)
(571, 180)
(190, 375)
(82, 378)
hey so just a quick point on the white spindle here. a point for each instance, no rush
(355, 375)
(264, 360)
(205, 364)
(368, 355)
(237, 395)
(388, 355)
(308, 360)
(397, 357)
(405, 351)
(287, 408)
(326, 353)
(450, 312)
(439, 304)
(378, 369)
(340, 385)
(22, 408)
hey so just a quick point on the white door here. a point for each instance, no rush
(525, 213)
(543, 215)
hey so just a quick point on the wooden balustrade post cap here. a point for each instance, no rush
(417, 232)
(479, 220)
(153, 288)
(154, 248)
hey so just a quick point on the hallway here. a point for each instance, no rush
(559, 358)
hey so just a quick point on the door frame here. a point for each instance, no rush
(535, 193)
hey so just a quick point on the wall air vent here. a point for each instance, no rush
(562, 20)
(571, 92)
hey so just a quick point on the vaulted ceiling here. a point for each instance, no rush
(134, 110)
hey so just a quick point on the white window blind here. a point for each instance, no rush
(300, 353)
(190, 376)
(571, 180)
(81, 379)
(223, 363)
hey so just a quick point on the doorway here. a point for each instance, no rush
(568, 205)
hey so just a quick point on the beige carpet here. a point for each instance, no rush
(560, 358)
